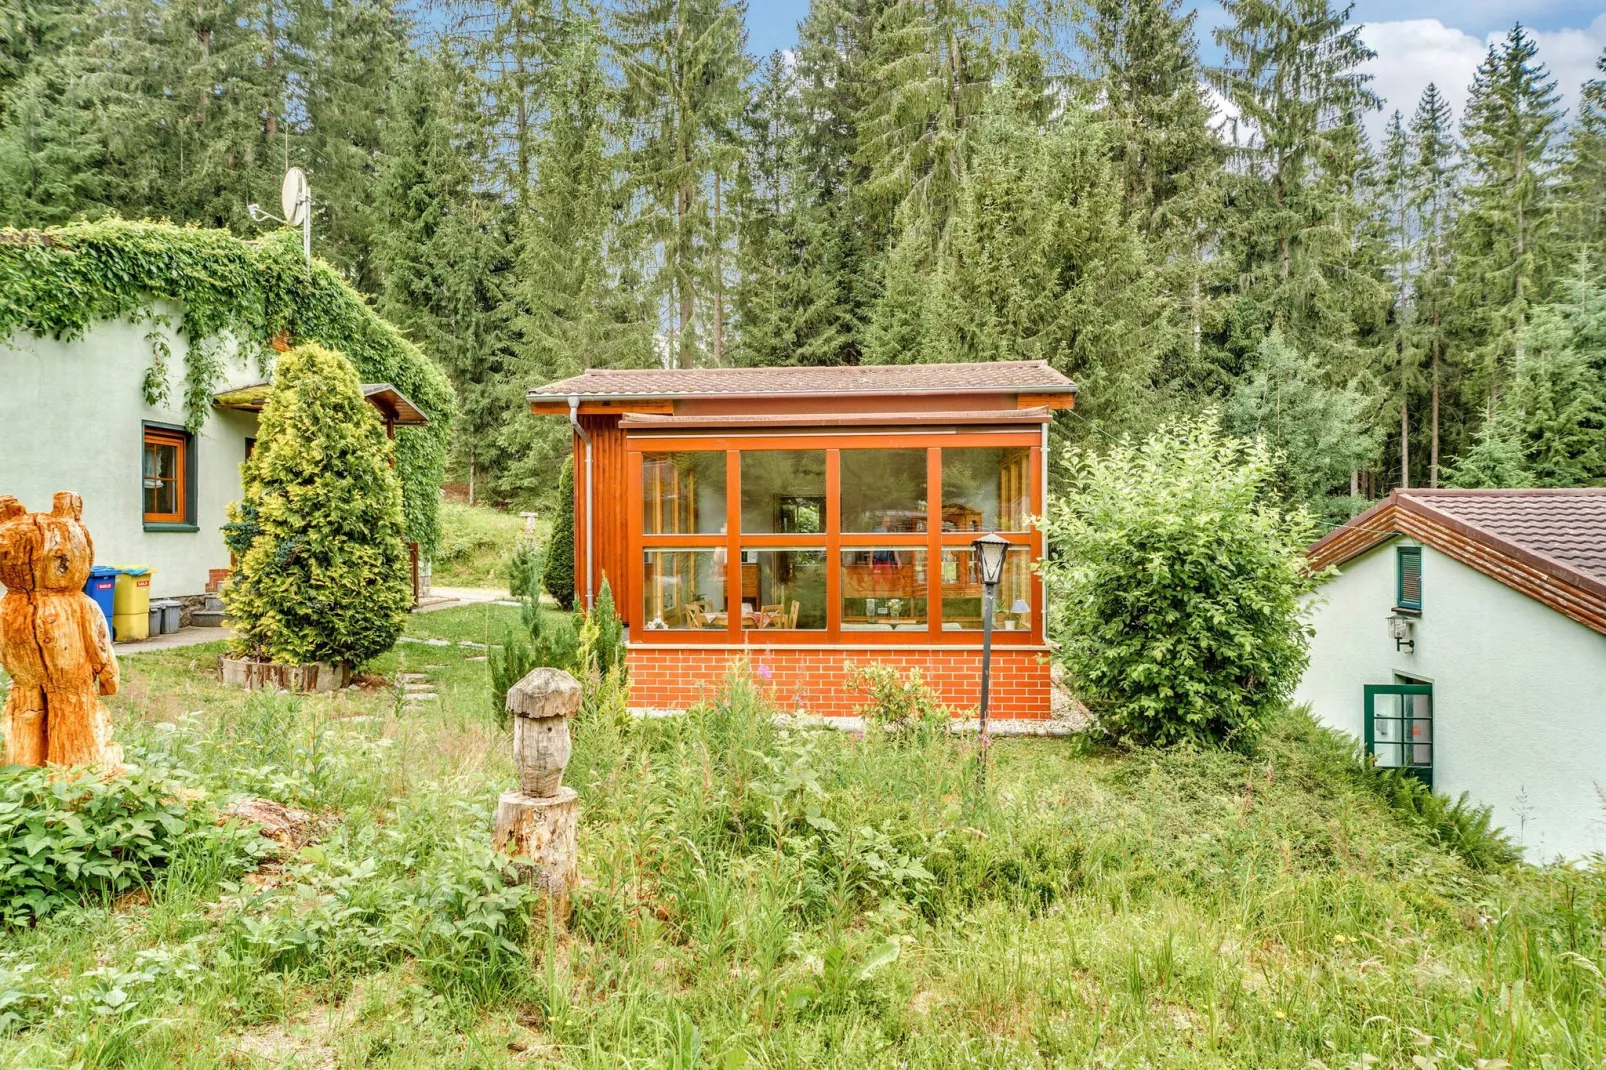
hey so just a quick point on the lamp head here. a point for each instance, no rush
(990, 550)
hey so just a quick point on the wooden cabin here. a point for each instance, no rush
(807, 518)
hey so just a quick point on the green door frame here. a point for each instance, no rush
(1424, 773)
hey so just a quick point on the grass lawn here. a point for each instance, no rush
(761, 897)
(476, 543)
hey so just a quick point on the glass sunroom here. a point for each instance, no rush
(810, 516)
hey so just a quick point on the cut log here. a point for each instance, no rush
(542, 836)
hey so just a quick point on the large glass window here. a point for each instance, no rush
(962, 589)
(883, 491)
(683, 493)
(986, 489)
(783, 589)
(783, 491)
(684, 589)
(883, 588)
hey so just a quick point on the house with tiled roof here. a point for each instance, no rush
(1462, 638)
(800, 520)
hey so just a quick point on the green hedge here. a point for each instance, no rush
(59, 281)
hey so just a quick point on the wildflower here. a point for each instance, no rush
(765, 673)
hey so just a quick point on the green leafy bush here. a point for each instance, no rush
(1177, 583)
(560, 547)
(322, 572)
(68, 841)
(894, 701)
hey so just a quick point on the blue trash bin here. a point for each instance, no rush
(101, 586)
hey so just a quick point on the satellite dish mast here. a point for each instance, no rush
(295, 198)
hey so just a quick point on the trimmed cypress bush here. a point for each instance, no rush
(560, 548)
(322, 573)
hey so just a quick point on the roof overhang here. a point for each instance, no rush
(649, 421)
(393, 405)
(1544, 579)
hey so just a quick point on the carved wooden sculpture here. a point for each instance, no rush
(539, 823)
(53, 640)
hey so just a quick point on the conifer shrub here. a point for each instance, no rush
(602, 637)
(1176, 584)
(322, 572)
(559, 576)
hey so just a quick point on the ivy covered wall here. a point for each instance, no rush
(57, 282)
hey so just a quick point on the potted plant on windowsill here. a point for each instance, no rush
(321, 584)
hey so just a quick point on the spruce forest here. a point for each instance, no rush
(534, 188)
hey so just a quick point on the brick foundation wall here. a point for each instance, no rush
(813, 680)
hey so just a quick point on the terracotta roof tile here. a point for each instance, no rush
(1548, 544)
(1014, 376)
(1566, 526)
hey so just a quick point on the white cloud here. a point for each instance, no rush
(1413, 52)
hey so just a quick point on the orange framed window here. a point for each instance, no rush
(832, 538)
(167, 476)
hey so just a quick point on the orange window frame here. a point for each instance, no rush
(161, 436)
(933, 540)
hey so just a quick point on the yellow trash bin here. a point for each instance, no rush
(131, 603)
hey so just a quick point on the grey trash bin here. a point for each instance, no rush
(166, 613)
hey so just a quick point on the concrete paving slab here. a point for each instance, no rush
(172, 640)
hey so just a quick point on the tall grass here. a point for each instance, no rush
(772, 896)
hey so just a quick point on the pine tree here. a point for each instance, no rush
(1041, 262)
(767, 204)
(1432, 183)
(1147, 83)
(1506, 240)
(934, 65)
(443, 258)
(1584, 187)
(1394, 195)
(1318, 433)
(1294, 73)
(683, 67)
(566, 305)
(842, 227)
(1495, 459)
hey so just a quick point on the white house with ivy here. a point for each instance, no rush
(135, 359)
(1463, 640)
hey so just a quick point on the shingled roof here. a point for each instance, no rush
(996, 377)
(1548, 544)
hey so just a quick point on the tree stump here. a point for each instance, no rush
(542, 835)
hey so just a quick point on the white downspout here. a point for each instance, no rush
(591, 497)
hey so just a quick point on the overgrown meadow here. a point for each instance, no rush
(762, 896)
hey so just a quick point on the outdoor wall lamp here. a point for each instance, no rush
(1400, 630)
(990, 550)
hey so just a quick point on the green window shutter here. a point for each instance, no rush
(1399, 728)
(1408, 589)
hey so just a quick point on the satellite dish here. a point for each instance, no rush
(294, 197)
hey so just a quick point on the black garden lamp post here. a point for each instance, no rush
(990, 550)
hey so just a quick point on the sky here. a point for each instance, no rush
(1416, 41)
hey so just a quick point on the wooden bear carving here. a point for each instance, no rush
(53, 640)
